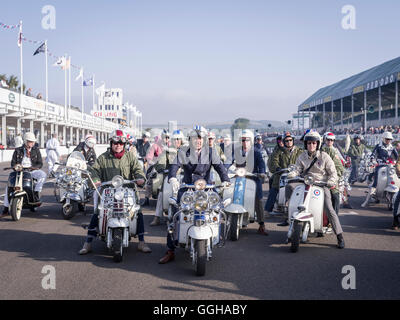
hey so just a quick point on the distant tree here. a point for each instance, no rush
(240, 123)
(13, 82)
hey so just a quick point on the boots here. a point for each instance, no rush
(340, 241)
(396, 223)
(156, 221)
(87, 247)
(143, 247)
(262, 230)
(170, 256)
(5, 212)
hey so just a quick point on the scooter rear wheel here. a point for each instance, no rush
(234, 227)
(67, 211)
(16, 208)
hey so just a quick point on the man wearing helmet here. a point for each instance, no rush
(53, 152)
(115, 161)
(161, 143)
(164, 163)
(282, 160)
(321, 167)
(383, 151)
(143, 145)
(29, 157)
(247, 156)
(355, 152)
(87, 149)
(196, 161)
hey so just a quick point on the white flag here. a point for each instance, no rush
(4, 84)
(100, 89)
(61, 62)
(80, 76)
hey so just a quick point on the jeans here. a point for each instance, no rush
(269, 205)
(376, 176)
(354, 170)
(396, 205)
(94, 223)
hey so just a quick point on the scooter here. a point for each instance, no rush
(118, 210)
(388, 184)
(306, 208)
(241, 212)
(196, 225)
(281, 203)
(71, 187)
(21, 194)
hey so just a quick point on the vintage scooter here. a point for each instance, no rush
(196, 225)
(118, 211)
(306, 210)
(281, 203)
(388, 184)
(241, 212)
(21, 194)
(72, 186)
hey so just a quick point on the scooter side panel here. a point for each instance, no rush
(382, 181)
(249, 197)
(296, 199)
(315, 199)
(167, 193)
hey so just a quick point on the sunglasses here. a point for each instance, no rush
(288, 140)
(118, 142)
(311, 142)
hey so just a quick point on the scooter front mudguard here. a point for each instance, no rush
(117, 223)
(200, 233)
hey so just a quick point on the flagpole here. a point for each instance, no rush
(21, 63)
(47, 79)
(82, 98)
(69, 90)
(93, 93)
(65, 83)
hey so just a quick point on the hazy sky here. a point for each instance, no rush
(197, 61)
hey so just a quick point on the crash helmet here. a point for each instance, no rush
(164, 134)
(329, 136)
(246, 134)
(198, 132)
(177, 134)
(90, 141)
(29, 136)
(118, 136)
(387, 135)
(146, 134)
(312, 136)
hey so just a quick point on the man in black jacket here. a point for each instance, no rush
(29, 157)
(87, 149)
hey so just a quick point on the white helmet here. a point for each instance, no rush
(211, 135)
(312, 136)
(29, 136)
(387, 135)
(177, 134)
(329, 136)
(246, 133)
(198, 131)
(90, 141)
(227, 137)
(164, 134)
(146, 134)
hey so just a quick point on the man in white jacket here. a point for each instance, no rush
(53, 152)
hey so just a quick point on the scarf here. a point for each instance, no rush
(120, 154)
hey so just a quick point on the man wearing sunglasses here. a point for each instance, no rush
(383, 151)
(320, 167)
(197, 159)
(282, 160)
(115, 161)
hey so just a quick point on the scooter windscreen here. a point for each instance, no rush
(76, 160)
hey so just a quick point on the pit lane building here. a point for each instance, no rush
(370, 98)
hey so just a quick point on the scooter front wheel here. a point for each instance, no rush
(201, 257)
(295, 240)
(16, 208)
(234, 227)
(68, 211)
(117, 245)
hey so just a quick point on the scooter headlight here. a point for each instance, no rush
(213, 198)
(241, 172)
(117, 182)
(392, 171)
(187, 198)
(201, 205)
(119, 195)
(200, 184)
(309, 180)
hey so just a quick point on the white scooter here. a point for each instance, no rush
(118, 210)
(71, 188)
(241, 212)
(197, 223)
(306, 210)
(388, 184)
(281, 203)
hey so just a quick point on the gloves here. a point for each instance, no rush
(175, 186)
